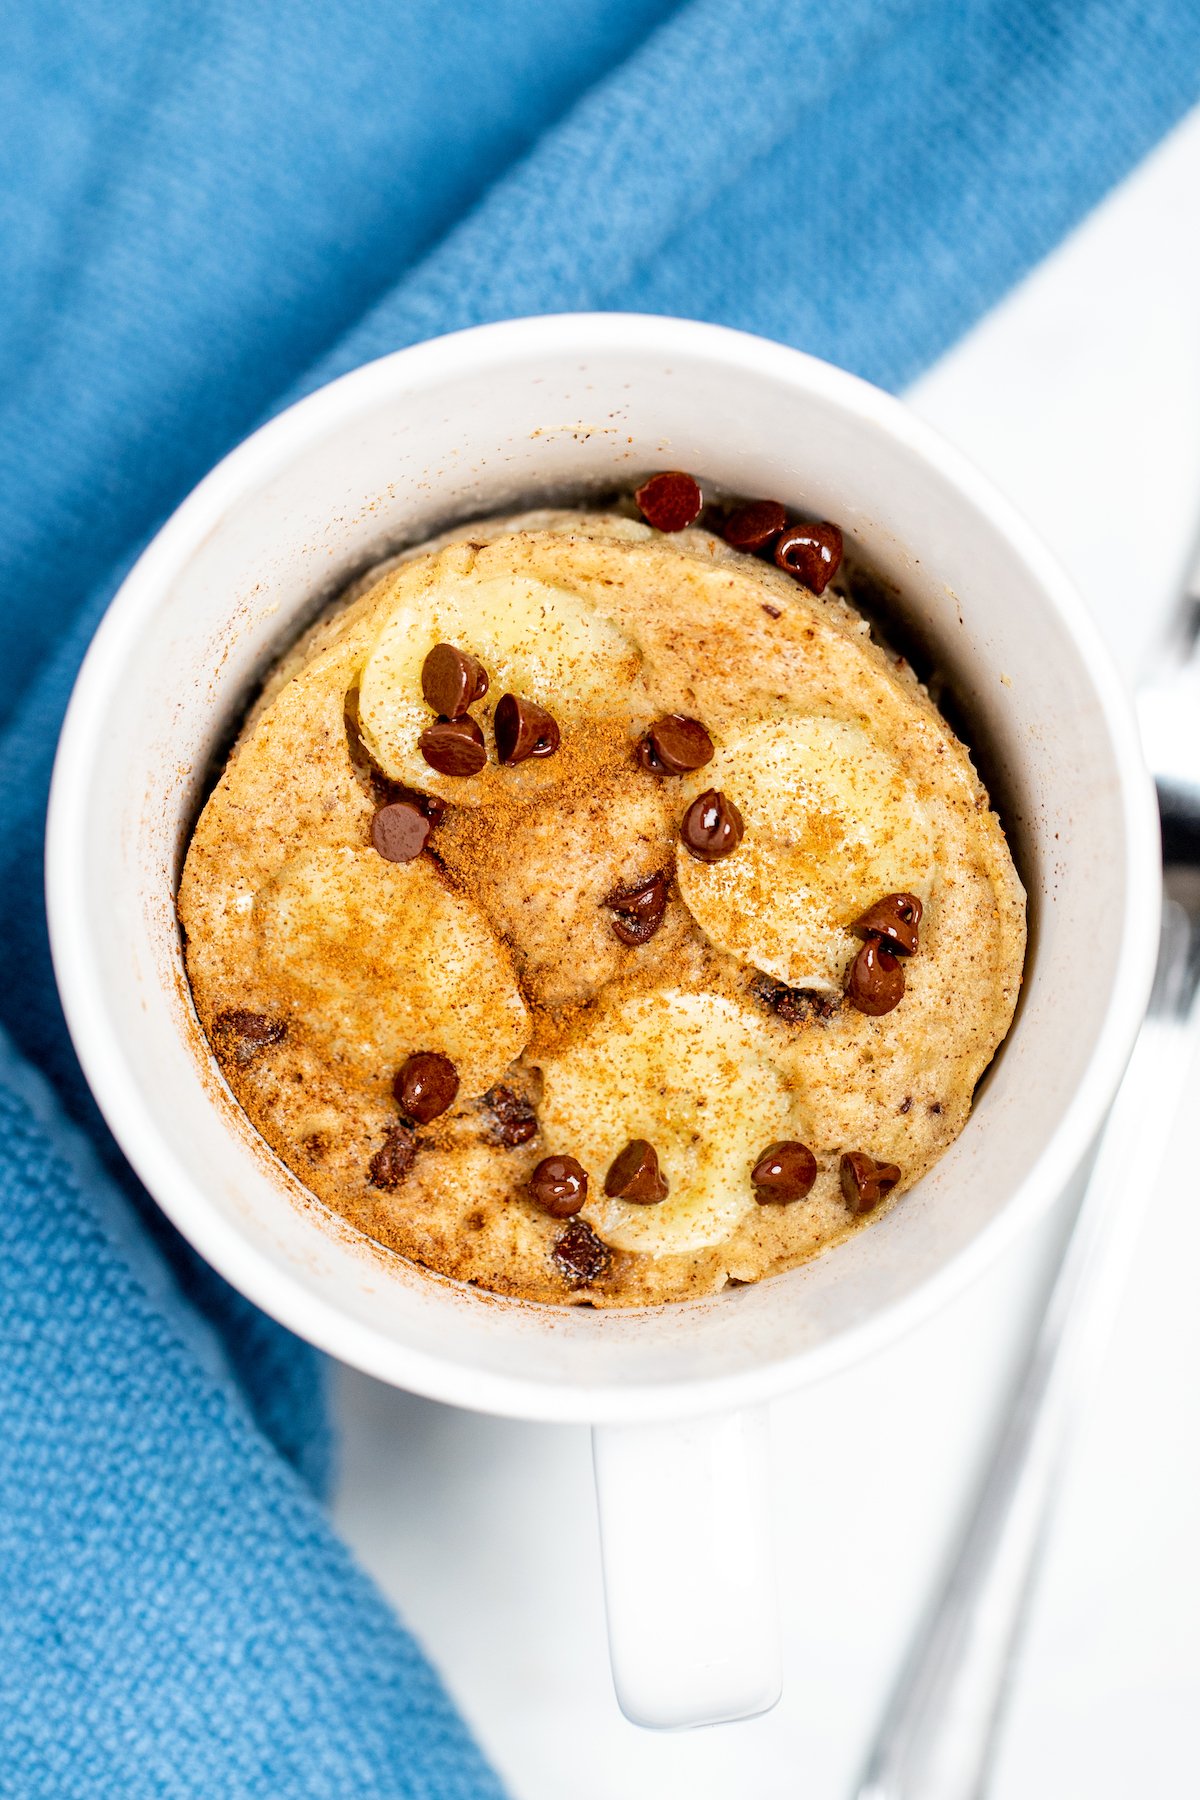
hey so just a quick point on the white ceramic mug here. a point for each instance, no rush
(492, 419)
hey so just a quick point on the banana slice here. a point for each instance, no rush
(688, 1072)
(380, 959)
(533, 639)
(832, 823)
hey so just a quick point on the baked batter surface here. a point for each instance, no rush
(321, 967)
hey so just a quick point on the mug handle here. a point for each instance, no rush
(689, 1579)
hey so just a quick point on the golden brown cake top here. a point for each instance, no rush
(593, 814)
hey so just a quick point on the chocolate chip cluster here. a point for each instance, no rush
(452, 681)
(875, 983)
(811, 552)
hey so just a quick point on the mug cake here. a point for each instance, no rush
(593, 909)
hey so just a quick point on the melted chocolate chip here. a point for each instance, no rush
(894, 918)
(866, 1182)
(400, 831)
(755, 526)
(524, 729)
(875, 983)
(670, 501)
(425, 1086)
(795, 1006)
(784, 1172)
(452, 680)
(242, 1035)
(558, 1185)
(638, 910)
(675, 745)
(390, 1165)
(635, 1175)
(430, 806)
(580, 1254)
(512, 1119)
(712, 827)
(812, 553)
(453, 747)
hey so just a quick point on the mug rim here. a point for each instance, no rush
(174, 1188)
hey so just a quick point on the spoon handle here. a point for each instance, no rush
(937, 1735)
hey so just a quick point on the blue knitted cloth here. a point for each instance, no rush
(204, 210)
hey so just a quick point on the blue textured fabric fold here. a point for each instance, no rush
(203, 212)
(177, 1617)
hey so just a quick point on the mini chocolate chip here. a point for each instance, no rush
(425, 1085)
(580, 1254)
(513, 1120)
(400, 831)
(675, 745)
(795, 1006)
(453, 747)
(866, 1182)
(772, 612)
(635, 1175)
(785, 1171)
(712, 827)
(558, 1185)
(390, 1165)
(812, 553)
(524, 729)
(242, 1035)
(905, 1104)
(452, 680)
(639, 909)
(670, 501)
(875, 983)
(755, 526)
(896, 918)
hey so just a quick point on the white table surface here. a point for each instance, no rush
(1080, 396)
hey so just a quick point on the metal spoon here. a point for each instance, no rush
(938, 1734)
